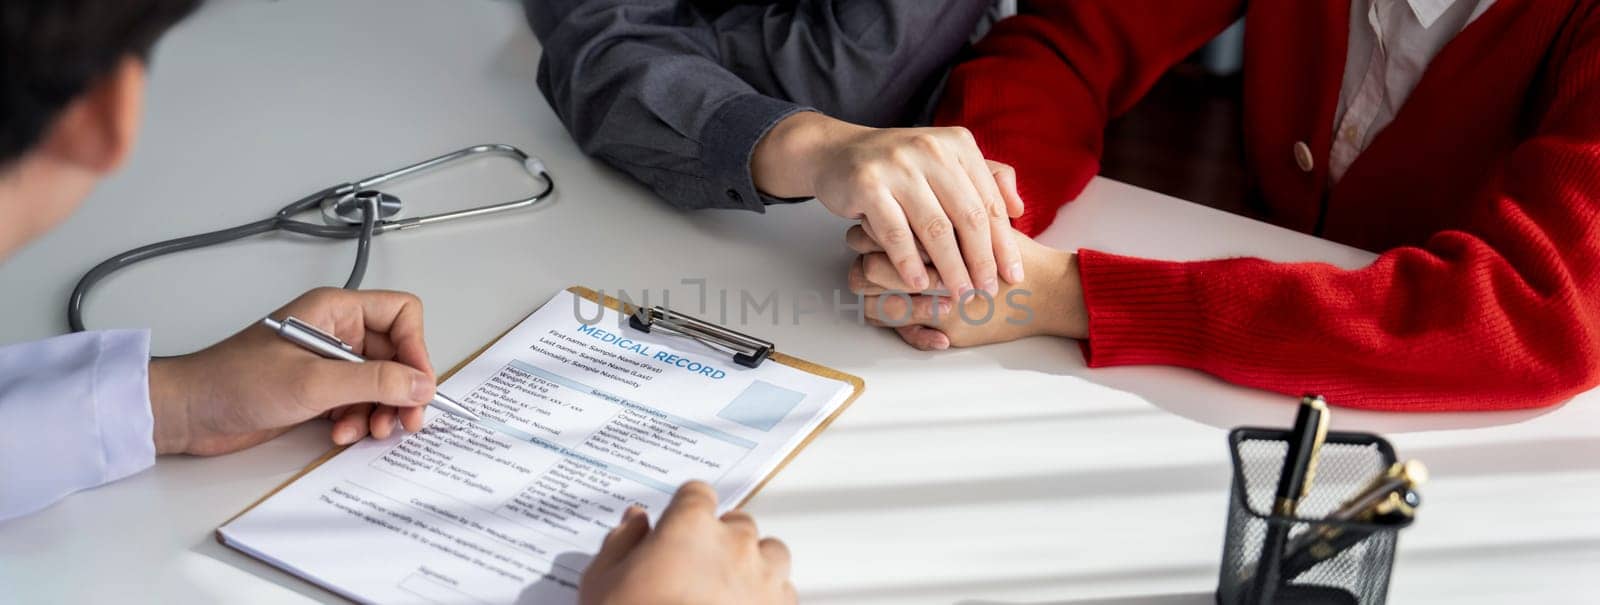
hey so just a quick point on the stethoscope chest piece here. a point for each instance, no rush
(350, 209)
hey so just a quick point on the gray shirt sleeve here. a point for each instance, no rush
(678, 93)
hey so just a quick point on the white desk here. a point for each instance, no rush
(1002, 474)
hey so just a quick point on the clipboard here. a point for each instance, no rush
(674, 322)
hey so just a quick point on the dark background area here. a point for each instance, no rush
(1184, 139)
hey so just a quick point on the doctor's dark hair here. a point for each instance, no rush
(52, 51)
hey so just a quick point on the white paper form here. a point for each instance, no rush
(458, 513)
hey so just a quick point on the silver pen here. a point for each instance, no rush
(326, 345)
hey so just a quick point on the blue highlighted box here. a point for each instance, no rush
(762, 405)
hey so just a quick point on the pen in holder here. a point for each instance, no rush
(1324, 561)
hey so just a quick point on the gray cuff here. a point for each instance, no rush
(728, 141)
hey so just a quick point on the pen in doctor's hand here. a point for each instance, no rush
(322, 343)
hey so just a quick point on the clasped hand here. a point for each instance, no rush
(927, 189)
(938, 317)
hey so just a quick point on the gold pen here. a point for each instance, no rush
(1300, 461)
(1294, 481)
(1391, 498)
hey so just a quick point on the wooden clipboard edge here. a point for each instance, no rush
(338, 449)
(856, 384)
(857, 387)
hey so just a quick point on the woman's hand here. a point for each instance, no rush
(935, 317)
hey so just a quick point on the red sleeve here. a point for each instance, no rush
(1042, 85)
(1502, 314)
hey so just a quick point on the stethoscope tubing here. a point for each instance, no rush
(370, 226)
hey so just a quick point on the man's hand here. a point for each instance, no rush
(908, 186)
(692, 558)
(255, 385)
(1051, 303)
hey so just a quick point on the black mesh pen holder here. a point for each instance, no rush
(1357, 574)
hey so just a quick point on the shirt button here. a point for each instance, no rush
(734, 195)
(1303, 157)
(1350, 134)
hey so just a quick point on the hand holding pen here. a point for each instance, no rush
(308, 337)
(253, 385)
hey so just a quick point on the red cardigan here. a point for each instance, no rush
(1483, 195)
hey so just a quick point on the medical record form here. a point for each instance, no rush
(602, 416)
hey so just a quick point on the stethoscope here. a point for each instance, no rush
(349, 211)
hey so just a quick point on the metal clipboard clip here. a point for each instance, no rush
(747, 350)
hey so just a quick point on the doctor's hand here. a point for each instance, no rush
(933, 318)
(927, 186)
(255, 385)
(691, 557)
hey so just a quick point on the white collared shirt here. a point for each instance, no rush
(1391, 44)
